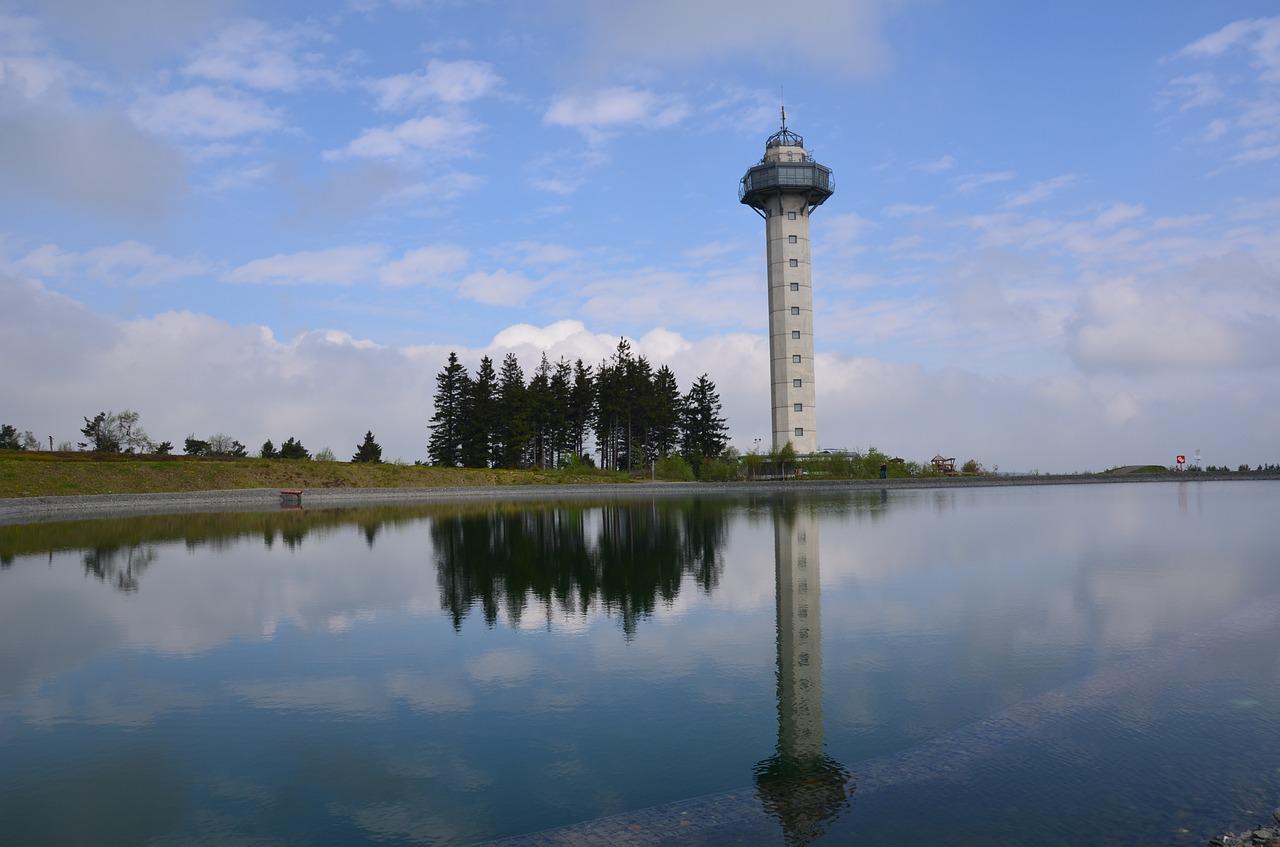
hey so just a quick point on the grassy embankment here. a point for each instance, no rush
(40, 474)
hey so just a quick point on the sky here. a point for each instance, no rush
(1053, 244)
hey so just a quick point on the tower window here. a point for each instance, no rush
(795, 263)
(795, 359)
(797, 383)
(795, 310)
(795, 333)
(791, 216)
(799, 430)
(791, 239)
(797, 407)
(795, 286)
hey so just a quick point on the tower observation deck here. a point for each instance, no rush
(784, 189)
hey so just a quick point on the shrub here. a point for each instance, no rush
(718, 470)
(324, 454)
(673, 469)
(578, 463)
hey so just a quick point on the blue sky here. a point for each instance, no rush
(1053, 242)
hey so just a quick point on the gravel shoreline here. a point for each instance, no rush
(39, 509)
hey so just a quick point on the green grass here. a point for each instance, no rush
(1137, 469)
(38, 474)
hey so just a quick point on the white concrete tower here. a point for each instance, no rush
(784, 188)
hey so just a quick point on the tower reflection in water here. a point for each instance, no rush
(800, 785)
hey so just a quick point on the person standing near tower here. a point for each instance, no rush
(784, 188)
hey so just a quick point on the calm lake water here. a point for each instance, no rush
(1060, 665)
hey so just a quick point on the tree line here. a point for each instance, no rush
(122, 433)
(634, 413)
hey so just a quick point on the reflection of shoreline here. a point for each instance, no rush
(19, 510)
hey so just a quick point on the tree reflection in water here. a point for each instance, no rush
(623, 557)
(121, 566)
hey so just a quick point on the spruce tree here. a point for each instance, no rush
(481, 417)
(613, 406)
(541, 410)
(582, 406)
(561, 411)
(268, 450)
(293, 449)
(640, 411)
(511, 436)
(444, 447)
(667, 404)
(368, 451)
(705, 433)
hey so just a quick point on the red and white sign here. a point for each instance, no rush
(1182, 460)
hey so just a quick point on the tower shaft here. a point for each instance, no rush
(794, 411)
(784, 189)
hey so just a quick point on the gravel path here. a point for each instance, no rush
(32, 509)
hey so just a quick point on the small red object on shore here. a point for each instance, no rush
(294, 493)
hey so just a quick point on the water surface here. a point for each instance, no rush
(1071, 664)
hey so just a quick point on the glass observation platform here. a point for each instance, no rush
(768, 179)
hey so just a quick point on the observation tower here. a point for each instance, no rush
(784, 189)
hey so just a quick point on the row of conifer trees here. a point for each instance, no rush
(634, 413)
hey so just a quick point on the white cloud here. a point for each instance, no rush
(1215, 129)
(540, 252)
(1261, 36)
(905, 242)
(842, 229)
(183, 370)
(1039, 191)
(905, 210)
(53, 149)
(1130, 327)
(1258, 154)
(498, 288)
(1251, 100)
(442, 137)
(968, 182)
(1120, 213)
(331, 266)
(556, 185)
(846, 37)
(713, 250)
(244, 176)
(95, 160)
(594, 113)
(936, 166)
(126, 263)
(205, 112)
(1194, 90)
(28, 68)
(446, 82)
(433, 265)
(254, 54)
